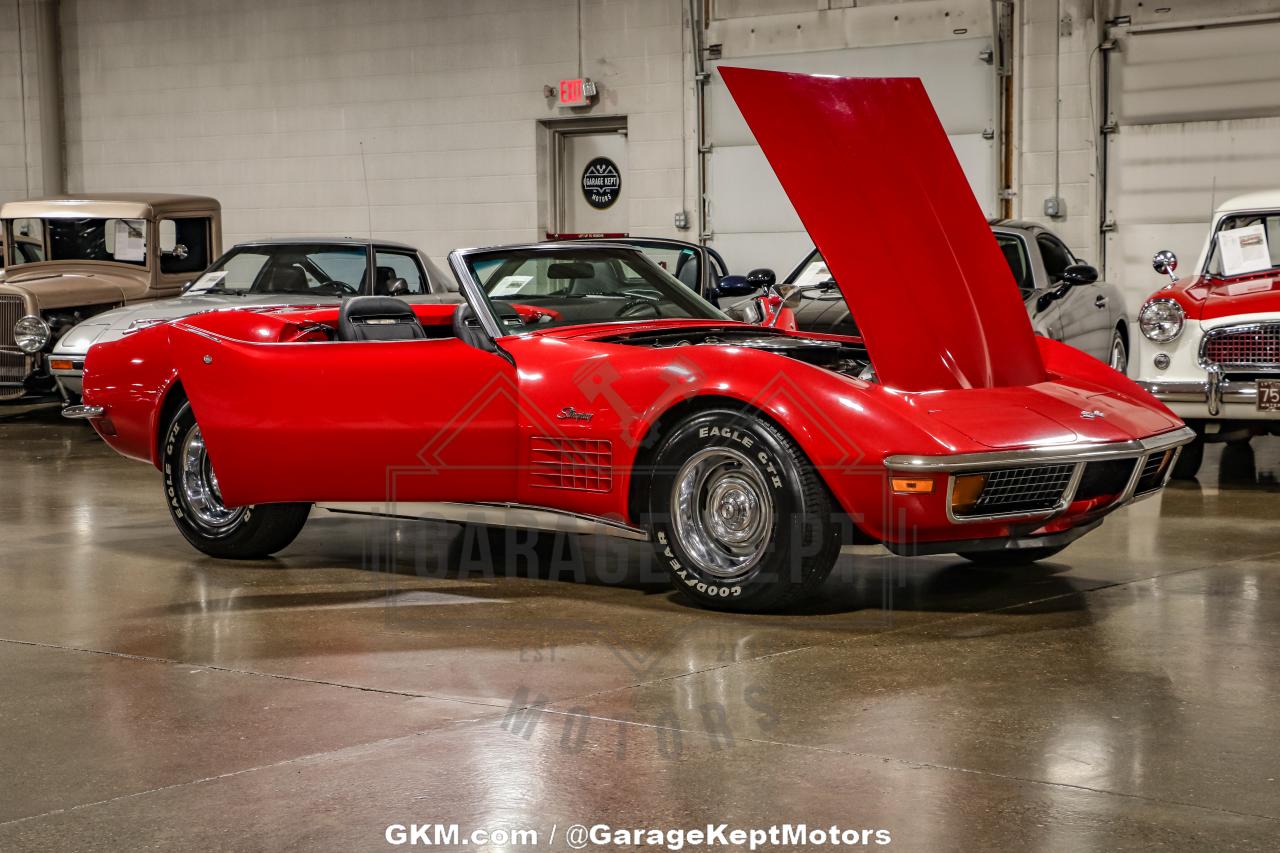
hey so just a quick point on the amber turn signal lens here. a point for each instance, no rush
(911, 486)
(965, 492)
(59, 364)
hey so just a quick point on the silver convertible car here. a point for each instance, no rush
(1062, 294)
(290, 271)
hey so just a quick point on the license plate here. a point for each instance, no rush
(1269, 395)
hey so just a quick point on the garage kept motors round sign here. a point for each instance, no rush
(601, 183)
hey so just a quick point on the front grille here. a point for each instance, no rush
(1153, 472)
(1108, 477)
(14, 363)
(1033, 489)
(1253, 345)
(567, 463)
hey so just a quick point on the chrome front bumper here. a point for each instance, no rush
(80, 413)
(1213, 391)
(1140, 450)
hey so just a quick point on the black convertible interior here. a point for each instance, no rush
(378, 318)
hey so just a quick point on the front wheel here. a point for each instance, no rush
(1189, 460)
(738, 516)
(195, 502)
(1119, 356)
(1019, 557)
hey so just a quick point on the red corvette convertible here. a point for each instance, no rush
(582, 388)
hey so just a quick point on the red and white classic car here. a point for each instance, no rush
(1211, 341)
(582, 388)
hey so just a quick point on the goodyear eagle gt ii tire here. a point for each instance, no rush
(191, 490)
(738, 515)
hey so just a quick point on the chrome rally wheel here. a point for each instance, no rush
(199, 511)
(738, 515)
(200, 486)
(722, 512)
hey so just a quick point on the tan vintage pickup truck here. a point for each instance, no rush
(68, 258)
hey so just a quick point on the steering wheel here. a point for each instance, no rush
(636, 308)
(636, 304)
(339, 288)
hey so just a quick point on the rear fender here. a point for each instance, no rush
(130, 378)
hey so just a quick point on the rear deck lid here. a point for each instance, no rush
(873, 177)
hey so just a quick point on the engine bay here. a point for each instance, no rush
(841, 356)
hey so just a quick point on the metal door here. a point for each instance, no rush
(592, 185)
(749, 219)
(1192, 120)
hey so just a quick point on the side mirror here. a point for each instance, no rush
(397, 287)
(762, 279)
(168, 236)
(1165, 262)
(735, 285)
(1079, 274)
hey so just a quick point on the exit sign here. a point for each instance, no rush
(576, 93)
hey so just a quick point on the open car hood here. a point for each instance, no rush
(869, 170)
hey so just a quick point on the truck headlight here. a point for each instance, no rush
(1161, 320)
(31, 334)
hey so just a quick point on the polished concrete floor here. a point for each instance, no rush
(1122, 697)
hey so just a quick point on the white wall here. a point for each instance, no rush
(13, 180)
(26, 42)
(1055, 63)
(265, 105)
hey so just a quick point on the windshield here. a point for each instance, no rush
(813, 270)
(1245, 243)
(122, 241)
(316, 270)
(576, 286)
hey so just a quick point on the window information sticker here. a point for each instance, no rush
(1244, 250)
(208, 281)
(131, 240)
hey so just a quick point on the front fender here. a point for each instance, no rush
(1067, 362)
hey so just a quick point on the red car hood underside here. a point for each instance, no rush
(873, 177)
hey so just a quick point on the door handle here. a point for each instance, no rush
(1100, 302)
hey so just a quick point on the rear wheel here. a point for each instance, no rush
(1189, 460)
(1019, 557)
(195, 502)
(738, 515)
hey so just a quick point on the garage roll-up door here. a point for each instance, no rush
(748, 216)
(1194, 119)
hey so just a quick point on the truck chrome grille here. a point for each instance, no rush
(1033, 489)
(14, 363)
(1246, 346)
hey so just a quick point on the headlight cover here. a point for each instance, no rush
(1161, 320)
(31, 334)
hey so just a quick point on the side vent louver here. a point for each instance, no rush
(585, 465)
